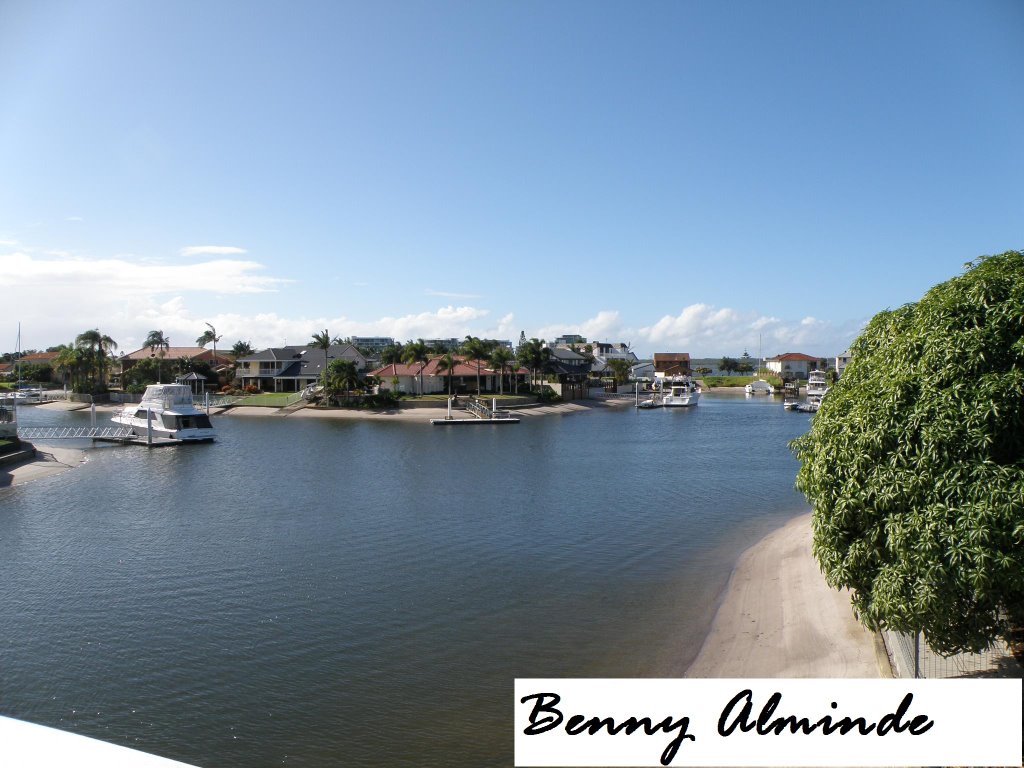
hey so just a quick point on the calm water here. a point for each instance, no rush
(316, 593)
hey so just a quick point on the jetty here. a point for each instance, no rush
(481, 414)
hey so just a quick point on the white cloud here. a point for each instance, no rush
(605, 325)
(707, 331)
(449, 295)
(212, 250)
(75, 218)
(119, 276)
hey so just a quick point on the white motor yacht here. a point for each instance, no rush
(817, 385)
(168, 410)
(679, 391)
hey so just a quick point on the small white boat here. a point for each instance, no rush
(759, 387)
(650, 402)
(679, 391)
(168, 410)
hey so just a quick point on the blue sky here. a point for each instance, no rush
(684, 176)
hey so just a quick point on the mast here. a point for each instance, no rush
(17, 352)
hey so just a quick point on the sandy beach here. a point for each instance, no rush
(420, 415)
(49, 460)
(778, 618)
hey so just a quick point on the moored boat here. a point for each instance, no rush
(679, 391)
(167, 410)
(759, 387)
(817, 385)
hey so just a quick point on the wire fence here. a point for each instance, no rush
(910, 656)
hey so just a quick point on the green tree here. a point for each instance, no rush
(534, 356)
(728, 364)
(70, 363)
(914, 464)
(343, 376)
(621, 368)
(157, 343)
(416, 352)
(474, 349)
(447, 362)
(96, 347)
(391, 354)
(242, 349)
(209, 336)
(499, 361)
(322, 341)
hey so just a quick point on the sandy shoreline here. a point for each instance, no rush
(421, 415)
(49, 460)
(779, 619)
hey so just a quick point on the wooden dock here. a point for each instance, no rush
(483, 414)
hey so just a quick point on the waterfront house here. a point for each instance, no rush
(792, 365)
(842, 361)
(570, 371)
(428, 378)
(170, 357)
(292, 369)
(672, 363)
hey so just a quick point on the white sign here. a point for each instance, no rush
(566, 722)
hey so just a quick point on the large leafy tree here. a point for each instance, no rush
(914, 464)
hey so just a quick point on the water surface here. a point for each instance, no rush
(314, 592)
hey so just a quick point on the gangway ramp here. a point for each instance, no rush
(69, 433)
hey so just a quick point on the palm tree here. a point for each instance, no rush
(500, 359)
(208, 336)
(107, 346)
(242, 349)
(475, 349)
(344, 375)
(89, 342)
(70, 362)
(323, 341)
(391, 354)
(158, 343)
(447, 362)
(416, 352)
(96, 347)
(535, 356)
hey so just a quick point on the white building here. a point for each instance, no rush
(842, 361)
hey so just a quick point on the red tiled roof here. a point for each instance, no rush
(39, 357)
(672, 357)
(462, 368)
(176, 353)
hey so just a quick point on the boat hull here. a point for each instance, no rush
(681, 401)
